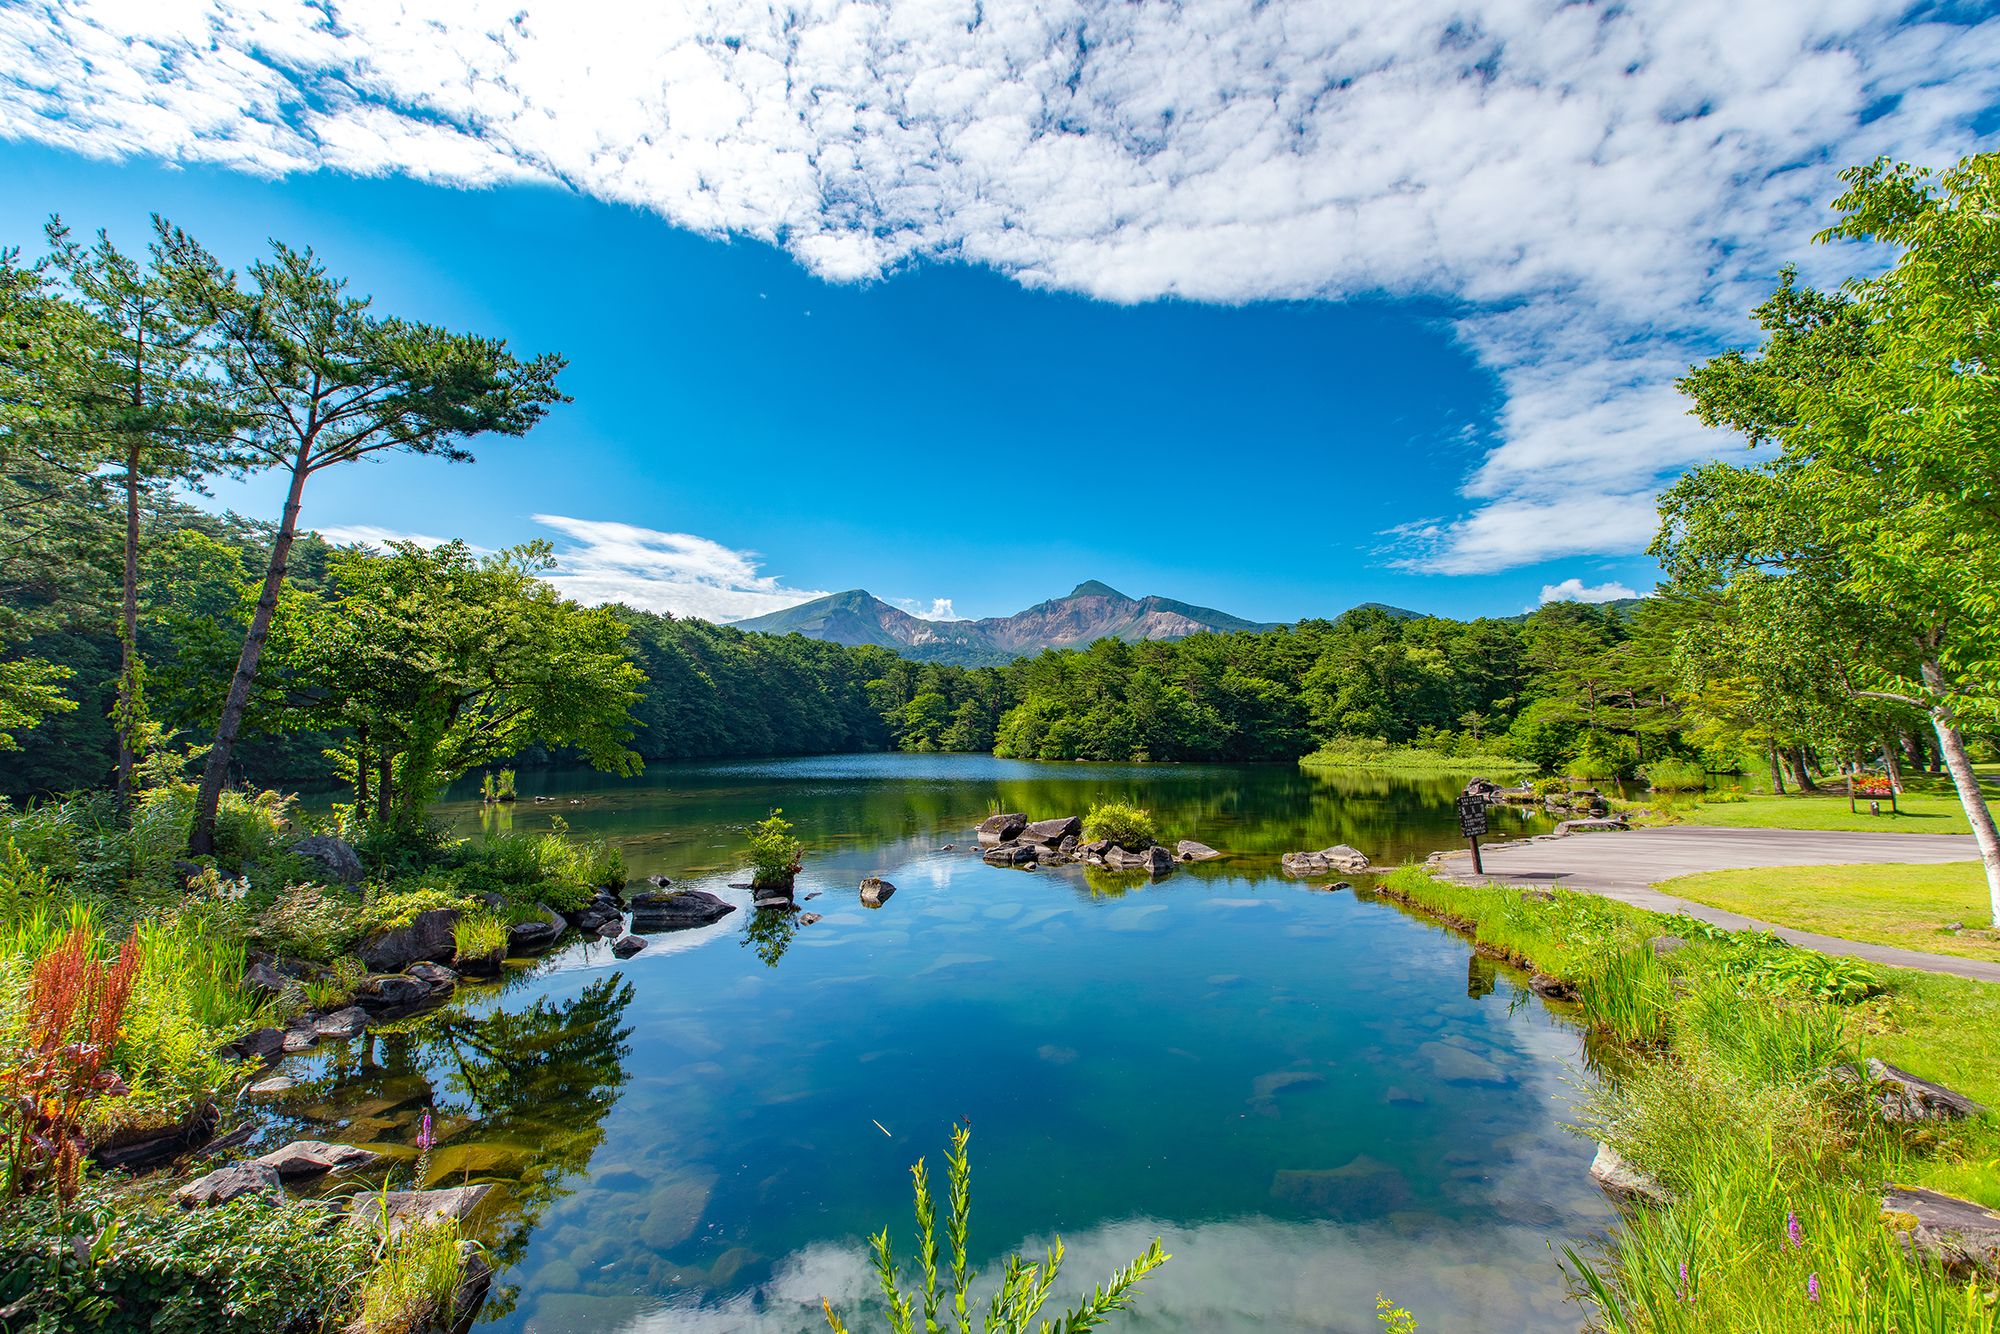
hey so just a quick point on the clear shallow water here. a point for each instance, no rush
(1312, 1096)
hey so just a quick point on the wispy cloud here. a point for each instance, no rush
(675, 572)
(1575, 590)
(368, 535)
(1602, 190)
(939, 609)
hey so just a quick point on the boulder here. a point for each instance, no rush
(996, 829)
(264, 978)
(1623, 1182)
(875, 891)
(1595, 825)
(1190, 851)
(341, 1024)
(1551, 988)
(808, 918)
(1011, 854)
(482, 965)
(627, 946)
(594, 916)
(271, 1086)
(1904, 1098)
(773, 897)
(1049, 833)
(137, 1150)
(300, 1035)
(1339, 857)
(336, 857)
(433, 975)
(428, 936)
(262, 1045)
(535, 935)
(676, 909)
(1155, 860)
(659, 882)
(399, 1208)
(314, 1157)
(227, 1183)
(1962, 1236)
(391, 995)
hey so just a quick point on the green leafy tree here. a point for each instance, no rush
(318, 380)
(1884, 403)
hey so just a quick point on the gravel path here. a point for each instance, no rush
(1626, 866)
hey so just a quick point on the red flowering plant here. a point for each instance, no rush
(1873, 785)
(61, 1062)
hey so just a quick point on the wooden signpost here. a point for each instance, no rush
(1472, 823)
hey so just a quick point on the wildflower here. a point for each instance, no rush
(425, 1139)
(1812, 1286)
(1793, 1232)
(1683, 1294)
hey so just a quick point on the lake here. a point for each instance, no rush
(1311, 1095)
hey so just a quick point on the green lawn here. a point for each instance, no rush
(1886, 905)
(1946, 1029)
(1930, 806)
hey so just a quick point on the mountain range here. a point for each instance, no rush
(1092, 610)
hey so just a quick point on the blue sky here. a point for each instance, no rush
(1273, 318)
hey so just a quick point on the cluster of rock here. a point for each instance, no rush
(1011, 839)
(1339, 859)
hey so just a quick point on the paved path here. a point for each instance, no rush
(1626, 866)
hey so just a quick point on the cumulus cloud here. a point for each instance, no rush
(939, 609)
(1575, 590)
(368, 535)
(672, 572)
(1600, 190)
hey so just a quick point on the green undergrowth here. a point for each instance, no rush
(1369, 753)
(1728, 1096)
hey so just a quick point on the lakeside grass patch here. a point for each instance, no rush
(1365, 753)
(1927, 805)
(1728, 1099)
(1896, 904)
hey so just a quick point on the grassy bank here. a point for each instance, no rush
(1726, 1097)
(1907, 906)
(1417, 760)
(1927, 806)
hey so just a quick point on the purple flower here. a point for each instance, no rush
(1683, 1296)
(1812, 1286)
(1793, 1232)
(425, 1139)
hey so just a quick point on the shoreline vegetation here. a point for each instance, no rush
(1413, 760)
(1751, 1146)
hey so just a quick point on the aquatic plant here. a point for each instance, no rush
(775, 856)
(1024, 1284)
(478, 935)
(1671, 775)
(414, 1281)
(1130, 827)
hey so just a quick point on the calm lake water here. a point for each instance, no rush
(1310, 1095)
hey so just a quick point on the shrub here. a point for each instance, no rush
(774, 854)
(308, 921)
(1024, 1284)
(1676, 776)
(387, 907)
(479, 935)
(414, 1281)
(1127, 826)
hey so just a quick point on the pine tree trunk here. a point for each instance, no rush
(201, 840)
(1777, 770)
(1978, 814)
(128, 627)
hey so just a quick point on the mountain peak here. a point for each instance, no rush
(1091, 588)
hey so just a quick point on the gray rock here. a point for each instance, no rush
(1590, 826)
(1339, 858)
(1551, 988)
(1623, 1182)
(427, 937)
(996, 829)
(336, 857)
(315, 1157)
(138, 1150)
(627, 946)
(1665, 945)
(593, 917)
(676, 909)
(262, 977)
(1190, 851)
(535, 935)
(808, 918)
(300, 1036)
(262, 1045)
(225, 1184)
(341, 1023)
(271, 1086)
(659, 882)
(875, 891)
(1049, 833)
(433, 975)
(400, 1208)
(1904, 1098)
(1153, 861)
(1962, 1236)
(1012, 854)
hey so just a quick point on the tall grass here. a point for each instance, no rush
(414, 1282)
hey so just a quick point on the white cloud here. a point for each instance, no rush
(656, 571)
(1575, 590)
(368, 535)
(1601, 190)
(939, 609)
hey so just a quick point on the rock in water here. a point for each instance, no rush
(336, 857)
(627, 946)
(315, 1157)
(225, 1184)
(1623, 1182)
(1340, 857)
(341, 1024)
(875, 891)
(1190, 851)
(995, 829)
(402, 1207)
(1048, 833)
(676, 909)
(535, 935)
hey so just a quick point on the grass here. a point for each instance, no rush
(1724, 1097)
(479, 935)
(1929, 806)
(1370, 754)
(414, 1281)
(1906, 906)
